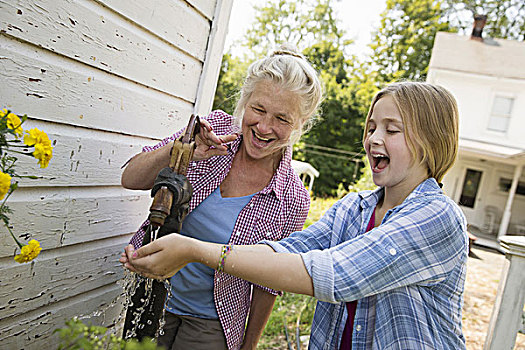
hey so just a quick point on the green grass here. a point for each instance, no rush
(318, 207)
(293, 310)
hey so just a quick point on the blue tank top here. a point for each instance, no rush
(211, 221)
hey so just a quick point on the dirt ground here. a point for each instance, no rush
(481, 285)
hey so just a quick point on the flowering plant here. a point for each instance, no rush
(15, 140)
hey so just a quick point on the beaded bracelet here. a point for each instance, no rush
(225, 250)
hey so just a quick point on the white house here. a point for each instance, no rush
(487, 77)
(101, 78)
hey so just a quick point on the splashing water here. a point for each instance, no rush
(130, 284)
(147, 316)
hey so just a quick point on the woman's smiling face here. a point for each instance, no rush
(270, 116)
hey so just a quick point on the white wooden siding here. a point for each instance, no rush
(54, 88)
(102, 78)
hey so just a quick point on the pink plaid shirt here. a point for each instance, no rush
(272, 214)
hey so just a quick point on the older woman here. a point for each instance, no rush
(244, 191)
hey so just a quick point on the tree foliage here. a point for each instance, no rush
(505, 18)
(310, 25)
(231, 76)
(402, 45)
(340, 128)
(300, 22)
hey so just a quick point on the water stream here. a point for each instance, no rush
(130, 284)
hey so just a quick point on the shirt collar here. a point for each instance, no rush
(281, 177)
(371, 197)
(429, 186)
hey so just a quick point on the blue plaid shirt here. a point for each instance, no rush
(407, 274)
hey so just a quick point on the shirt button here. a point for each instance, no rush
(358, 327)
(251, 205)
(392, 251)
(220, 303)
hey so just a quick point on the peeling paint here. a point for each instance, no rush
(34, 94)
(94, 222)
(113, 47)
(11, 27)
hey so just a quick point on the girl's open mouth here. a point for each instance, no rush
(380, 161)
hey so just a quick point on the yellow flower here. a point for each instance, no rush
(43, 149)
(5, 183)
(3, 112)
(14, 123)
(28, 252)
(43, 153)
(35, 136)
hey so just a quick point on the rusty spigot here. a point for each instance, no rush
(161, 206)
(181, 155)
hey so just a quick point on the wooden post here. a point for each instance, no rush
(505, 320)
(505, 220)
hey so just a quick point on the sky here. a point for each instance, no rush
(357, 17)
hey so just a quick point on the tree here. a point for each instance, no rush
(311, 26)
(300, 22)
(231, 75)
(333, 143)
(505, 18)
(402, 45)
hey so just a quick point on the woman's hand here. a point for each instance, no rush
(159, 259)
(208, 144)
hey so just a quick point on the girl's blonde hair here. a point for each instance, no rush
(430, 117)
(288, 68)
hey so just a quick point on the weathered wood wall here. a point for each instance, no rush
(102, 78)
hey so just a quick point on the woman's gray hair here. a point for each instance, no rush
(292, 72)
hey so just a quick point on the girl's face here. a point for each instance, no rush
(387, 150)
(270, 116)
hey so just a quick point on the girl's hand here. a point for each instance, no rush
(159, 259)
(209, 144)
(123, 257)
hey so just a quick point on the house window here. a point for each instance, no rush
(470, 188)
(500, 114)
(504, 186)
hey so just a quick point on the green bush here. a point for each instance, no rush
(78, 336)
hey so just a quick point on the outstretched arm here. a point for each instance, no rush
(258, 264)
